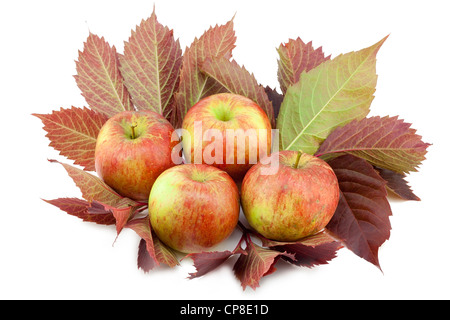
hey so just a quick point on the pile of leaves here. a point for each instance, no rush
(322, 110)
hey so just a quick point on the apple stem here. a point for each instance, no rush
(133, 133)
(299, 154)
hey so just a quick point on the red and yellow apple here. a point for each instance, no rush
(133, 148)
(228, 131)
(193, 207)
(298, 201)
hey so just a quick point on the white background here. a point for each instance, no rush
(47, 254)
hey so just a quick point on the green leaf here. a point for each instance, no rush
(330, 95)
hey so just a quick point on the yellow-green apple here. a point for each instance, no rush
(228, 131)
(193, 207)
(133, 148)
(299, 200)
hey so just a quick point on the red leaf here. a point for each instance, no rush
(361, 220)
(385, 142)
(258, 262)
(151, 66)
(194, 85)
(276, 100)
(205, 262)
(142, 228)
(156, 252)
(397, 184)
(310, 251)
(73, 132)
(99, 79)
(236, 79)
(297, 57)
(122, 211)
(144, 260)
(84, 210)
(93, 188)
(164, 254)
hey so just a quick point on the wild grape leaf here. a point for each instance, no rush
(151, 66)
(386, 142)
(144, 260)
(361, 220)
(156, 252)
(258, 262)
(276, 99)
(122, 211)
(73, 132)
(308, 252)
(99, 78)
(397, 184)
(94, 189)
(330, 95)
(164, 254)
(84, 210)
(142, 227)
(295, 58)
(236, 79)
(205, 262)
(194, 85)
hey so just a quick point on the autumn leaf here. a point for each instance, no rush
(155, 251)
(386, 142)
(123, 211)
(297, 57)
(151, 66)
(164, 254)
(237, 80)
(397, 185)
(99, 78)
(144, 260)
(195, 85)
(361, 220)
(207, 261)
(93, 188)
(276, 99)
(330, 95)
(73, 132)
(309, 251)
(142, 227)
(258, 262)
(84, 210)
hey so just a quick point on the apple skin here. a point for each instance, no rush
(193, 207)
(294, 202)
(130, 166)
(227, 111)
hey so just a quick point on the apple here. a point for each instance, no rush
(297, 201)
(193, 207)
(133, 148)
(228, 131)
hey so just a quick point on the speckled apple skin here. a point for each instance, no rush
(294, 202)
(131, 166)
(194, 207)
